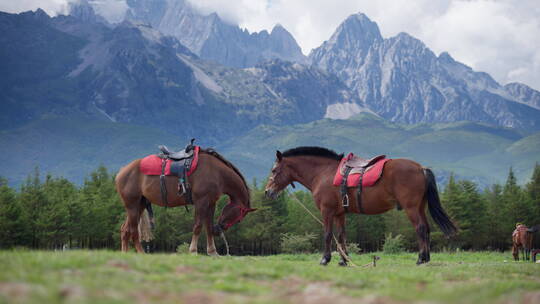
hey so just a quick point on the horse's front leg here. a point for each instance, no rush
(515, 252)
(328, 216)
(340, 227)
(209, 224)
(197, 226)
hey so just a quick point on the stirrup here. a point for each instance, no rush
(346, 200)
(183, 189)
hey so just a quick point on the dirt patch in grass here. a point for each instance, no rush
(298, 291)
(192, 297)
(72, 292)
(119, 264)
(17, 291)
(184, 269)
(531, 298)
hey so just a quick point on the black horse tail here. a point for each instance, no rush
(534, 228)
(434, 204)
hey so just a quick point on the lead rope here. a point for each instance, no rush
(341, 251)
(226, 243)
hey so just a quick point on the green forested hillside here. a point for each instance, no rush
(471, 150)
(72, 147)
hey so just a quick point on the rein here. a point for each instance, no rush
(243, 212)
(341, 251)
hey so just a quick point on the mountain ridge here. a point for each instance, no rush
(402, 80)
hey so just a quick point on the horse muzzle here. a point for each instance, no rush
(271, 194)
(217, 229)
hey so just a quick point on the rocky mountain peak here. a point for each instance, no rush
(401, 79)
(209, 37)
(356, 31)
(446, 58)
(84, 11)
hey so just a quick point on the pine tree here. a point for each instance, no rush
(516, 207)
(496, 210)
(11, 222)
(533, 193)
(32, 201)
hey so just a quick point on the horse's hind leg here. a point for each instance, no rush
(421, 225)
(131, 225)
(124, 236)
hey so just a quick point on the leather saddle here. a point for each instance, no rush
(355, 165)
(180, 164)
(179, 155)
(359, 164)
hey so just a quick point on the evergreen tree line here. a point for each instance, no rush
(54, 213)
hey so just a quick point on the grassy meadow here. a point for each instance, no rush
(114, 277)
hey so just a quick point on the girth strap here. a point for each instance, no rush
(344, 190)
(359, 194)
(344, 195)
(162, 184)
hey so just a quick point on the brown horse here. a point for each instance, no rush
(522, 238)
(214, 176)
(404, 183)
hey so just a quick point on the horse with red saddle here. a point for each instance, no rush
(192, 176)
(370, 186)
(522, 239)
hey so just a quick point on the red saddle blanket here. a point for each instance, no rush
(151, 164)
(371, 175)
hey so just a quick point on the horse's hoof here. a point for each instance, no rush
(213, 254)
(324, 261)
(342, 263)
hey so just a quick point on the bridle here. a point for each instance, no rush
(243, 212)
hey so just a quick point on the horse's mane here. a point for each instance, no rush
(312, 151)
(230, 165)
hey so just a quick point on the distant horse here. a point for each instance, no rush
(404, 183)
(522, 238)
(213, 177)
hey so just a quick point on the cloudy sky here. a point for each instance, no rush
(501, 37)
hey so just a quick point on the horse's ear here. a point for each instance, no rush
(278, 155)
(251, 209)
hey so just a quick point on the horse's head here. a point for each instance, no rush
(231, 214)
(280, 177)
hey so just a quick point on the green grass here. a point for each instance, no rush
(114, 277)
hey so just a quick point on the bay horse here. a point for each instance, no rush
(522, 239)
(404, 183)
(213, 177)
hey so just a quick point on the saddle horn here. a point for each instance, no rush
(190, 146)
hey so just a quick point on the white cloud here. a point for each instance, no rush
(501, 37)
(112, 10)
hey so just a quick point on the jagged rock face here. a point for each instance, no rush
(524, 94)
(131, 73)
(83, 11)
(213, 39)
(402, 80)
(311, 90)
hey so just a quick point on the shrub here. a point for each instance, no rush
(393, 244)
(292, 243)
(354, 248)
(182, 248)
